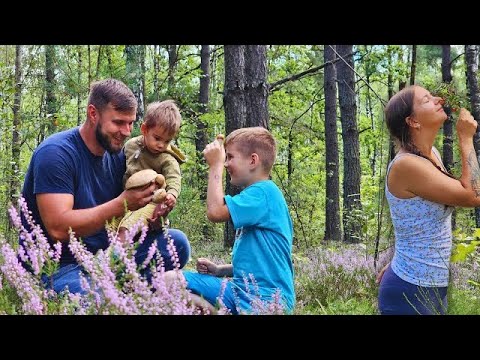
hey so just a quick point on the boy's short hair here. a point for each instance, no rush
(255, 140)
(164, 114)
(114, 92)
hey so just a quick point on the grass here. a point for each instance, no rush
(328, 281)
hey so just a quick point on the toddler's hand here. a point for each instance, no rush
(170, 201)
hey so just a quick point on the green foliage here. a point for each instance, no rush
(190, 216)
(9, 300)
(462, 250)
(351, 306)
(296, 119)
(463, 302)
(453, 98)
(464, 245)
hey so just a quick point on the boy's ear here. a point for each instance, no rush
(143, 129)
(254, 160)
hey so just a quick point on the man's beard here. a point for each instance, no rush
(104, 141)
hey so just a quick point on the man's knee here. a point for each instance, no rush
(182, 245)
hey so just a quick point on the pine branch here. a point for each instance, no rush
(274, 87)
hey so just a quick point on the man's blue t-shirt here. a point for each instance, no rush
(62, 164)
(263, 245)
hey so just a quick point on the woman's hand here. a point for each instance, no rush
(380, 274)
(466, 125)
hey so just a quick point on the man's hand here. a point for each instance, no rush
(138, 197)
(205, 266)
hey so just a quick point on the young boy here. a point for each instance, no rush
(152, 150)
(263, 244)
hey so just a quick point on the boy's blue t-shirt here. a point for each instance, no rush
(263, 245)
(63, 164)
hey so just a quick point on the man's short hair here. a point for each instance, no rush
(114, 92)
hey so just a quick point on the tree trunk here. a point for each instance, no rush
(156, 70)
(235, 111)
(213, 77)
(172, 64)
(413, 65)
(99, 61)
(351, 163)
(89, 55)
(369, 110)
(290, 155)
(471, 57)
(248, 98)
(17, 102)
(50, 100)
(79, 85)
(256, 88)
(234, 94)
(333, 230)
(108, 50)
(390, 94)
(135, 68)
(447, 155)
(201, 140)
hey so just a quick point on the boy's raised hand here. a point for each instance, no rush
(214, 152)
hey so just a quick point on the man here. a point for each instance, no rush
(74, 180)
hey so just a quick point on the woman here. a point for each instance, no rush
(421, 195)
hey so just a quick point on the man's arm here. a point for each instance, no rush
(58, 215)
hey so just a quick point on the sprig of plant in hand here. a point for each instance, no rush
(452, 97)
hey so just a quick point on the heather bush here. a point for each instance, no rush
(114, 283)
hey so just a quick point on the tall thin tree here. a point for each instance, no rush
(156, 70)
(351, 149)
(135, 75)
(50, 99)
(333, 230)
(471, 58)
(201, 139)
(390, 94)
(89, 60)
(413, 65)
(245, 98)
(235, 111)
(172, 65)
(448, 124)
(17, 102)
(256, 87)
(79, 84)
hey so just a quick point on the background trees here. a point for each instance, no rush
(332, 154)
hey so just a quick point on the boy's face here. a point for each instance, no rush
(238, 166)
(156, 138)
